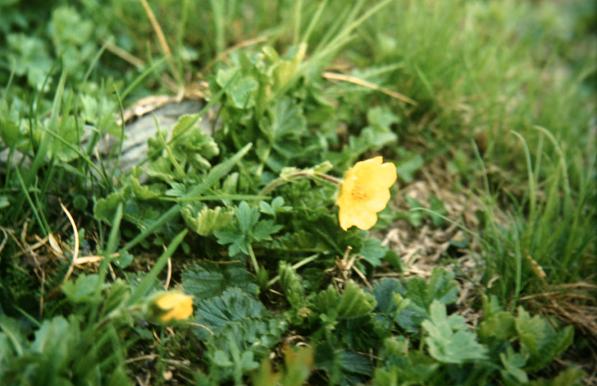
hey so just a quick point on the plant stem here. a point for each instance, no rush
(296, 175)
(253, 259)
(301, 263)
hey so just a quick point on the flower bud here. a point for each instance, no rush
(172, 305)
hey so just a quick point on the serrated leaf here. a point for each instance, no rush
(385, 311)
(441, 286)
(373, 251)
(105, 208)
(352, 303)
(572, 376)
(236, 323)
(64, 139)
(206, 280)
(292, 285)
(83, 289)
(354, 363)
(384, 291)
(513, 366)
(208, 220)
(540, 340)
(247, 217)
(241, 90)
(264, 230)
(499, 325)
(449, 340)
(287, 121)
(233, 305)
(409, 366)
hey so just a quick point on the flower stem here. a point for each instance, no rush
(253, 259)
(273, 185)
(301, 263)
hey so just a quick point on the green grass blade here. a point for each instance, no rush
(145, 285)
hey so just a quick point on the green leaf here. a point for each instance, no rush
(276, 206)
(54, 338)
(247, 217)
(105, 208)
(236, 241)
(438, 211)
(352, 303)
(540, 340)
(215, 175)
(4, 202)
(205, 280)
(384, 291)
(373, 251)
(208, 220)
(449, 340)
(513, 366)
(571, 376)
(29, 56)
(499, 325)
(441, 286)
(14, 338)
(403, 364)
(232, 306)
(381, 117)
(83, 289)
(64, 139)
(241, 91)
(409, 166)
(264, 230)
(355, 364)
(292, 285)
(9, 131)
(385, 311)
(240, 326)
(72, 38)
(287, 121)
(190, 144)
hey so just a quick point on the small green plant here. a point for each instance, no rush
(305, 224)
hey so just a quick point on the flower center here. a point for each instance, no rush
(358, 193)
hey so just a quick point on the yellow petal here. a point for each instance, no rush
(175, 305)
(362, 219)
(377, 200)
(376, 175)
(364, 192)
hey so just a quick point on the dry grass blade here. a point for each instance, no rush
(370, 85)
(575, 303)
(124, 55)
(156, 28)
(71, 267)
(164, 47)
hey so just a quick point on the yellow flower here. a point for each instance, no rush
(173, 305)
(365, 191)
